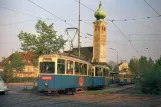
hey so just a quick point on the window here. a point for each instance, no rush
(77, 66)
(102, 28)
(83, 69)
(104, 72)
(69, 67)
(124, 76)
(98, 71)
(90, 70)
(61, 66)
(47, 67)
(95, 28)
(98, 28)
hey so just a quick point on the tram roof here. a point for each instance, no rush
(63, 55)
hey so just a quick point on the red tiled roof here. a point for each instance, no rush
(27, 56)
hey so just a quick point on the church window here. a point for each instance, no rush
(98, 28)
(102, 28)
(95, 28)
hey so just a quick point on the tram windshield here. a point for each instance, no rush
(47, 67)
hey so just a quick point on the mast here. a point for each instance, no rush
(79, 30)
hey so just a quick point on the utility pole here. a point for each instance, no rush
(79, 30)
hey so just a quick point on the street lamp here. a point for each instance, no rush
(116, 52)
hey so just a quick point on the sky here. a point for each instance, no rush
(130, 38)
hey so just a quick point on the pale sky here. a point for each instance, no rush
(144, 33)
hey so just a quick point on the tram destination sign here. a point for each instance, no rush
(46, 77)
(47, 59)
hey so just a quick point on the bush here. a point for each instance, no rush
(25, 79)
(151, 82)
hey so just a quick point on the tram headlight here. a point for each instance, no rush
(46, 83)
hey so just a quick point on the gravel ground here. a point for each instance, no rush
(123, 98)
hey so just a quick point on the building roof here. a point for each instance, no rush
(86, 52)
(100, 13)
(27, 56)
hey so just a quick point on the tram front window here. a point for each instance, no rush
(47, 67)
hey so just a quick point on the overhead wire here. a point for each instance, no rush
(123, 20)
(126, 19)
(20, 12)
(50, 13)
(125, 37)
(152, 8)
(17, 22)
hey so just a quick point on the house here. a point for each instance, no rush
(29, 69)
(123, 67)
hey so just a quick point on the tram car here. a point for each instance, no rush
(67, 73)
(101, 76)
(125, 77)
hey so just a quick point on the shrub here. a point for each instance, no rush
(25, 79)
(151, 82)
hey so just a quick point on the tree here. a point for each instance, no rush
(134, 65)
(14, 62)
(143, 64)
(157, 65)
(46, 40)
(150, 64)
(112, 64)
(151, 82)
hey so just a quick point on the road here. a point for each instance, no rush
(15, 98)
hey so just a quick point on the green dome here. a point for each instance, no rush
(100, 13)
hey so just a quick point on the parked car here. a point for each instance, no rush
(3, 87)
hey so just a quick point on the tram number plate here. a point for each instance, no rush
(46, 78)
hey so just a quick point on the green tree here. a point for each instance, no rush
(150, 64)
(151, 81)
(157, 65)
(14, 62)
(134, 65)
(46, 40)
(112, 64)
(143, 64)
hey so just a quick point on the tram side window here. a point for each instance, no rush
(47, 67)
(84, 69)
(77, 68)
(90, 70)
(104, 73)
(124, 76)
(61, 66)
(120, 75)
(69, 67)
(98, 71)
(107, 72)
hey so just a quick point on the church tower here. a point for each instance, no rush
(99, 42)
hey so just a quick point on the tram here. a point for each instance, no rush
(101, 76)
(60, 72)
(126, 77)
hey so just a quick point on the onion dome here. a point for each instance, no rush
(100, 13)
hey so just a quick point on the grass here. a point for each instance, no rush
(103, 91)
(140, 94)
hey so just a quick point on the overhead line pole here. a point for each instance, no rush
(79, 29)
